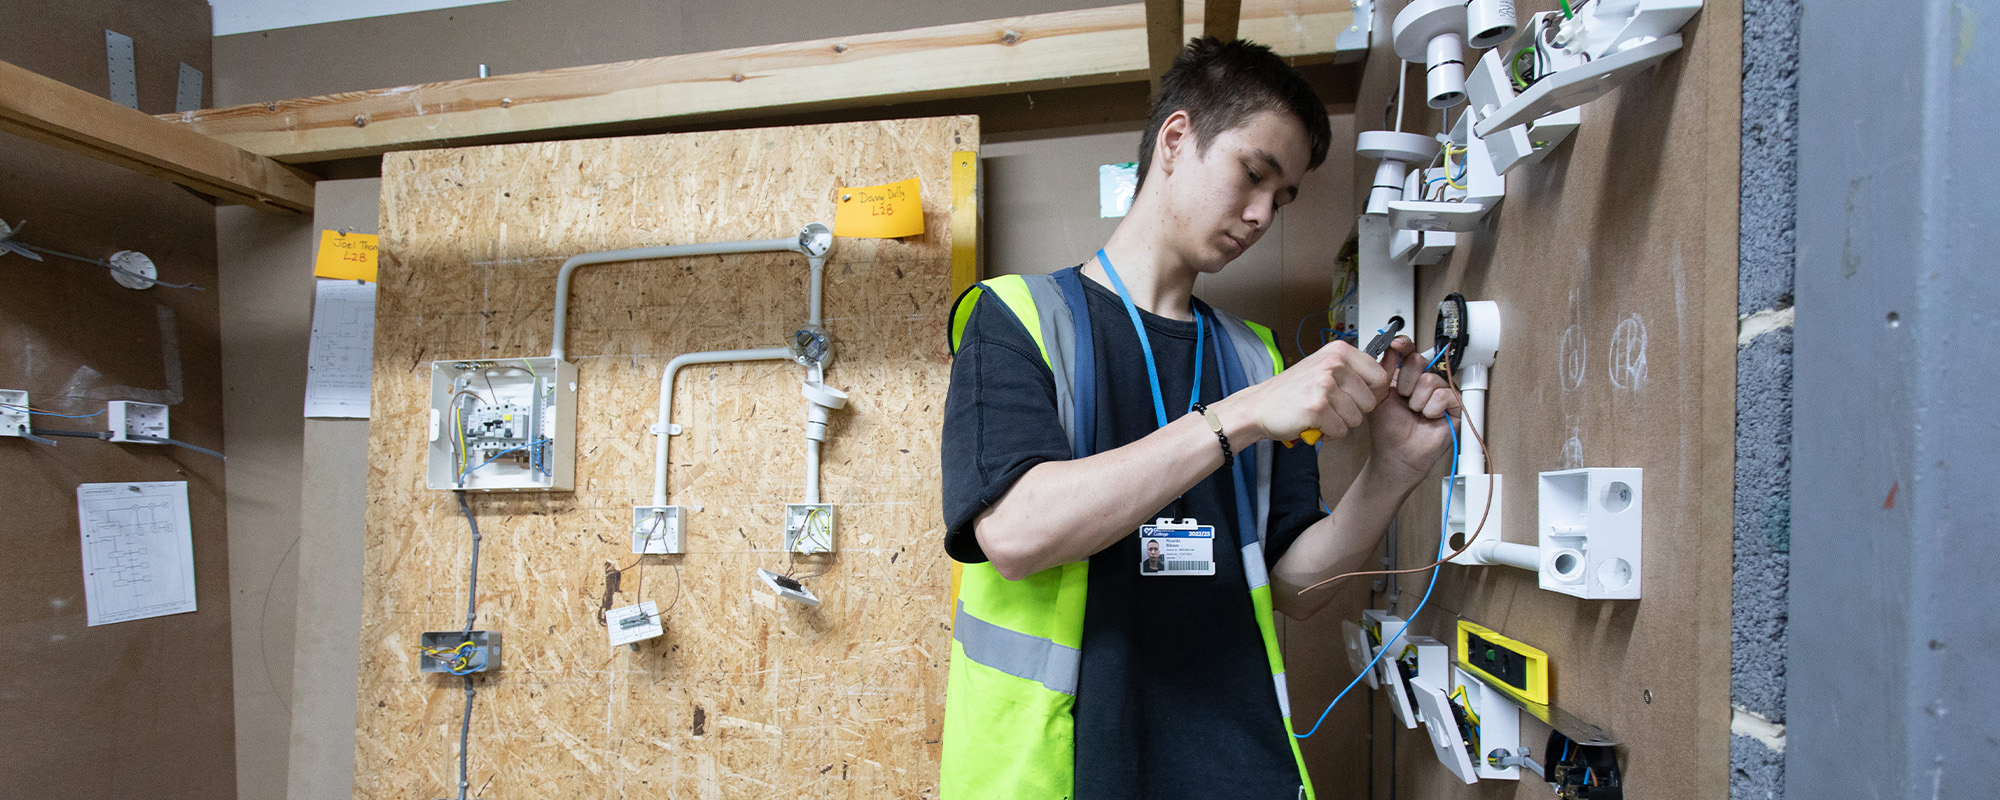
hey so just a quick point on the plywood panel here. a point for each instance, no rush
(745, 695)
(1614, 263)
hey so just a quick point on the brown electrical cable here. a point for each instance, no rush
(1486, 459)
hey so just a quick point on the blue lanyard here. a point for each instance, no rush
(1146, 345)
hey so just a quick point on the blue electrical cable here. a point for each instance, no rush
(99, 412)
(1434, 361)
(1442, 537)
(470, 668)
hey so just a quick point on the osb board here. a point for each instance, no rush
(1614, 264)
(746, 695)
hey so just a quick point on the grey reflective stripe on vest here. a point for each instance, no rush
(1018, 654)
(1059, 339)
(1253, 565)
(1284, 695)
(1258, 368)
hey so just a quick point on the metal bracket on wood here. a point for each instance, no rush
(1352, 42)
(123, 68)
(187, 95)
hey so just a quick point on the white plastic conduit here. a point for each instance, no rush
(1472, 388)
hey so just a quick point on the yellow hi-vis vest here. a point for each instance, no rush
(1017, 646)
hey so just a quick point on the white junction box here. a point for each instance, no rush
(1475, 508)
(505, 425)
(656, 530)
(1590, 532)
(14, 413)
(809, 528)
(127, 419)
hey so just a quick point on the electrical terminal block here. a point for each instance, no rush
(136, 422)
(458, 652)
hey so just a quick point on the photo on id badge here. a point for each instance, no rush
(1168, 548)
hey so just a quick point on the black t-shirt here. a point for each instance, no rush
(1175, 699)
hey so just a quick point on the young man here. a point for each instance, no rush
(1068, 438)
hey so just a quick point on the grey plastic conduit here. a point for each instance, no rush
(786, 244)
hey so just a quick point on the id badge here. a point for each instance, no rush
(1170, 548)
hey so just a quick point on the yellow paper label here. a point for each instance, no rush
(346, 256)
(890, 211)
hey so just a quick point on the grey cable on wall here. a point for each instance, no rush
(471, 613)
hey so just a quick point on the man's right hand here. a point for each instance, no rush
(1332, 390)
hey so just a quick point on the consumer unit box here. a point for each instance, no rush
(506, 425)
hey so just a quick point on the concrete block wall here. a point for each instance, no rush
(1767, 258)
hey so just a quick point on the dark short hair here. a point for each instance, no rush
(1222, 85)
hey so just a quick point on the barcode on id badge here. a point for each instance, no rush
(1174, 566)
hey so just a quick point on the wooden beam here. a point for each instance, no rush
(1164, 38)
(1219, 18)
(1005, 56)
(52, 112)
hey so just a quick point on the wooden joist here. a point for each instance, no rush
(1220, 18)
(47, 110)
(1164, 38)
(1004, 56)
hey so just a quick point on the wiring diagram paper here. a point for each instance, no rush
(138, 550)
(341, 356)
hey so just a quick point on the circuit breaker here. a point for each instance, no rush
(506, 425)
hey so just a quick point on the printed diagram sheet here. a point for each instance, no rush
(138, 550)
(341, 356)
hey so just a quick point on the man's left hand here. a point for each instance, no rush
(1411, 428)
